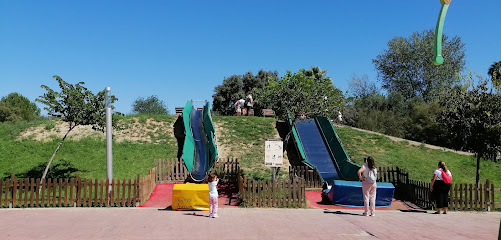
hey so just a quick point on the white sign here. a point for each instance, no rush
(273, 153)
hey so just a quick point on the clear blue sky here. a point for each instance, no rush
(180, 50)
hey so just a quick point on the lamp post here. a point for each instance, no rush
(109, 137)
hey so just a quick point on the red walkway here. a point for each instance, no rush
(314, 199)
(161, 197)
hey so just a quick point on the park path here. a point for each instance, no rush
(242, 223)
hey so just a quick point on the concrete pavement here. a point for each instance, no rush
(243, 223)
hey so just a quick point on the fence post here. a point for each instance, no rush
(14, 190)
(487, 200)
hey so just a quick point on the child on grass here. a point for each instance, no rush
(212, 181)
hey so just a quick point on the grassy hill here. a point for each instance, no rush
(142, 139)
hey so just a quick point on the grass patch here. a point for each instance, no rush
(245, 136)
(418, 160)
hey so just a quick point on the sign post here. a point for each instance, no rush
(274, 155)
(109, 137)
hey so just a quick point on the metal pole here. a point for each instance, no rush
(109, 137)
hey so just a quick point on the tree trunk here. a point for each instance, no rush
(53, 155)
(477, 179)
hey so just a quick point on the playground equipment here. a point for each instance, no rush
(199, 148)
(319, 147)
(438, 59)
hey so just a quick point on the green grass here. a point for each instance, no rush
(419, 161)
(86, 157)
(246, 136)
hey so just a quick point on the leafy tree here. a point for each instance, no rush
(407, 66)
(472, 117)
(226, 94)
(361, 87)
(306, 92)
(75, 105)
(236, 87)
(379, 113)
(16, 107)
(495, 74)
(150, 105)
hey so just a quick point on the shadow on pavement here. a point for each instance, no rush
(169, 208)
(343, 213)
(414, 211)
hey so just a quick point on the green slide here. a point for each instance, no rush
(319, 146)
(199, 149)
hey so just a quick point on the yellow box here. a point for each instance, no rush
(190, 196)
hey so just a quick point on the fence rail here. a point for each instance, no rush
(75, 192)
(174, 170)
(462, 196)
(310, 176)
(267, 193)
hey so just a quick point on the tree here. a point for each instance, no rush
(236, 87)
(150, 105)
(407, 65)
(472, 117)
(495, 74)
(75, 105)
(306, 92)
(16, 107)
(361, 87)
(226, 94)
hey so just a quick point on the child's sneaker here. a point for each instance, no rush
(215, 216)
(210, 215)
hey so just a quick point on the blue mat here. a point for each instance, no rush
(349, 193)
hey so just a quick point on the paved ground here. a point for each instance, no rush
(243, 223)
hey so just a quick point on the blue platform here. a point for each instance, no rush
(349, 193)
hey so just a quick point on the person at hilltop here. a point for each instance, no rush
(239, 104)
(440, 187)
(369, 185)
(249, 104)
(213, 195)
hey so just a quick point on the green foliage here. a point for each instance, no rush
(15, 107)
(76, 105)
(407, 66)
(495, 74)
(236, 87)
(307, 92)
(472, 117)
(150, 105)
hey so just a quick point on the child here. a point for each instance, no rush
(213, 180)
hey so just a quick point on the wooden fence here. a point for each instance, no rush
(75, 192)
(310, 176)
(147, 185)
(174, 170)
(462, 196)
(266, 193)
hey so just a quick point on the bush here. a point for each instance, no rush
(15, 107)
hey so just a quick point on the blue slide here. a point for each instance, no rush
(316, 150)
(319, 146)
(199, 148)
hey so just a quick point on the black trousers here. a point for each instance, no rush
(441, 191)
